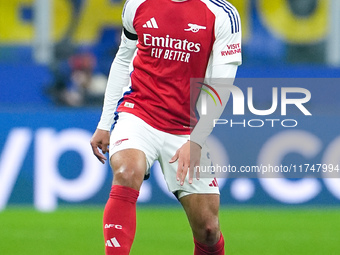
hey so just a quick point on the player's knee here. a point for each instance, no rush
(128, 176)
(209, 232)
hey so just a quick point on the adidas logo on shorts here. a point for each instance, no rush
(213, 183)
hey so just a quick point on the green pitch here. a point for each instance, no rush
(247, 231)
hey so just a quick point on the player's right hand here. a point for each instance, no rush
(101, 140)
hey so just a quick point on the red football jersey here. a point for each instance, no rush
(177, 41)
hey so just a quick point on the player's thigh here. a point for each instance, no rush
(201, 208)
(132, 150)
(129, 166)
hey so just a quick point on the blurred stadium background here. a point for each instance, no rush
(55, 56)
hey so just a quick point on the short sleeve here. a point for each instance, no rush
(227, 47)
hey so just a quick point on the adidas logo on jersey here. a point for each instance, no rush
(151, 23)
(112, 243)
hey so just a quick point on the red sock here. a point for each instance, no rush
(119, 221)
(202, 249)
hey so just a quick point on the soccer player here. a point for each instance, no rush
(164, 44)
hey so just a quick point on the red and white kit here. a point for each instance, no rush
(176, 41)
(168, 43)
(164, 44)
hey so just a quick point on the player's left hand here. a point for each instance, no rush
(188, 157)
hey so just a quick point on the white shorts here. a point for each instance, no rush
(131, 132)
